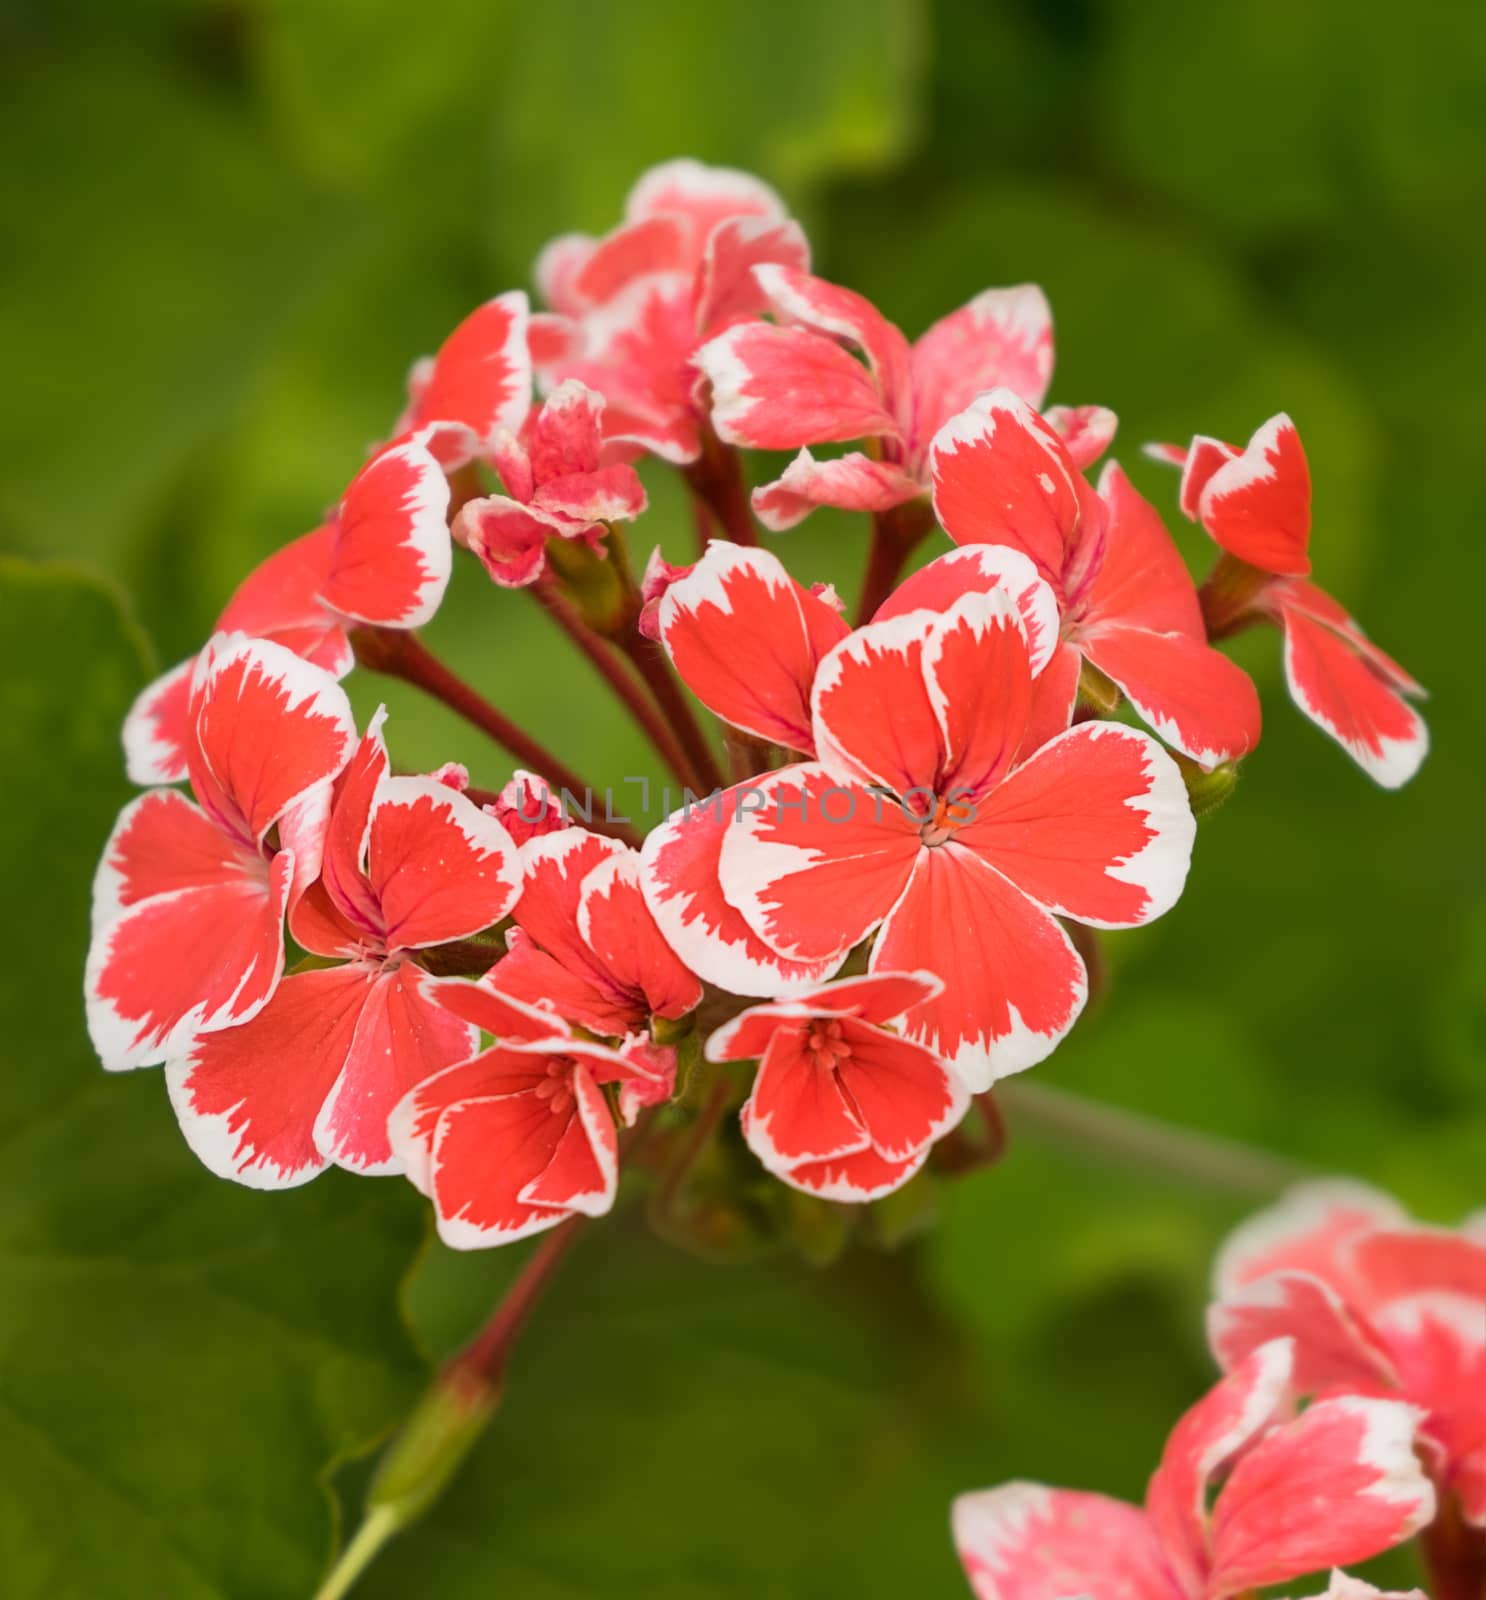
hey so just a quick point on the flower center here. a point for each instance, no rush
(557, 1087)
(948, 816)
(824, 1044)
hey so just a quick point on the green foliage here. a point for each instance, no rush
(228, 229)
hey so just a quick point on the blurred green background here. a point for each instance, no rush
(225, 230)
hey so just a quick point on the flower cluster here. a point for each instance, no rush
(888, 903)
(1333, 1297)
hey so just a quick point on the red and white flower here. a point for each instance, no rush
(1338, 1483)
(189, 900)
(527, 806)
(584, 945)
(520, 1137)
(311, 1079)
(556, 487)
(800, 382)
(477, 389)
(1003, 475)
(927, 815)
(1376, 1304)
(843, 1105)
(634, 306)
(1256, 504)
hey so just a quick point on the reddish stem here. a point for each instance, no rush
(484, 1359)
(715, 479)
(1228, 595)
(1454, 1554)
(896, 534)
(958, 1153)
(650, 662)
(612, 670)
(401, 655)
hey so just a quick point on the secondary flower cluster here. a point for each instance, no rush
(884, 909)
(1334, 1297)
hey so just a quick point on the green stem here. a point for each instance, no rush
(1127, 1138)
(376, 1529)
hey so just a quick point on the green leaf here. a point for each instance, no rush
(182, 1360)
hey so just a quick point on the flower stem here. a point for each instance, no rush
(650, 662)
(715, 479)
(896, 533)
(1126, 1138)
(401, 655)
(446, 1423)
(1454, 1554)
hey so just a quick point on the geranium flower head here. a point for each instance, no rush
(833, 369)
(1294, 1495)
(843, 1105)
(1256, 505)
(310, 1080)
(1003, 475)
(1376, 1304)
(637, 303)
(189, 898)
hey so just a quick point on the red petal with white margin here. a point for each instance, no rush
(270, 729)
(813, 866)
(440, 867)
(1086, 431)
(727, 288)
(1341, 1483)
(553, 870)
(1013, 983)
(1298, 595)
(510, 539)
(874, 720)
(585, 499)
(1223, 1424)
(1258, 505)
(527, 807)
(703, 195)
(679, 865)
(1002, 339)
(1023, 1541)
(634, 251)
(1141, 580)
(527, 973)
(797, 1111)
(780, 388)
(978, 569)
(1403, 1262)
(615, 923)
(1203, 458)
(341, 914)
(247, 1099)
(856, 1178)
(827, 308)
(903, 1094)
(1347, 699)
(735, 629)
(583, 1173)
(556, 268)
(854, 482)
(404, 1036)
(183, 964)
(1194, 697)
(1334, 1350)
(158, 726)
(161, 843)
(1305, 1231)
(880, 997)
(279, 600)
(1003, 476)
(1096, 826)
(392, 550)
(479, 384)
(1345, 1587)
(979, 677)
(1054, 696)
(563, 438)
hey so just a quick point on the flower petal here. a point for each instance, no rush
(679, 866)
(1223, 1424)
(1002, 339)
(179, 965)
(735, 629)
(854, 482)
(161, 843)
(392, 552)
(1096, 825)
(727, 287)
(1304, 1231)
(903, 1093)
(797, 1111)
(510, 539)
(1086, 431)
(853, 1179)
(702, 194)
(440, 867)
(1141, 580)
(633, 251)
(403, 1037)
(1336, 688)
(247, 1099)
(1023, 1541)
(1191, 695)
(1339, 1484)
(1258, 505)
(616, 925)
(583, 1174)
(1002, 476)
(979, 675)
(814, 865)
(1013, 983)
(157, 729)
